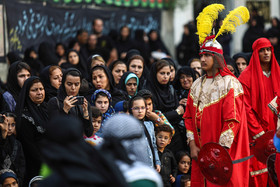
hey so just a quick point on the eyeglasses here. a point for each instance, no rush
(138, 108)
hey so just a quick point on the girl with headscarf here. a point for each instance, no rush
(18, 73)
(165, 99)
(101, 78)
(103, 101)
(32, 117)
(74, 61)
(183, 82)
(129, 84)
(64, 103)
(51, 77)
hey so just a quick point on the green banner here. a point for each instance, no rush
(159, 4)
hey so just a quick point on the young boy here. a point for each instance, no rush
(96, 123)
(168, 170)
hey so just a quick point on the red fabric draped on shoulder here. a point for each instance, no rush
(252, 77)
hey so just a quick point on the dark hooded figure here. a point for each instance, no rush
(74, 61)
(129, 85)
(47, 54)
(183, 82)
(101, 78)
(12, 57)
(155, 42)
(18, 73)
(253, 32)
(74, 162)
(64, 103)
(31, 58)
(188, 47)
(32, 117)
(51, 83)
(124, 43)
(141, 43)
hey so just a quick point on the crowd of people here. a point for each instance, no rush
(107, 108)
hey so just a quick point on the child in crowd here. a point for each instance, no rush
(184, 164)
(168, 170)
(154, 115)
(185, 181)
(137, 107)
(102, 100)
(11, 123)
(96, 123)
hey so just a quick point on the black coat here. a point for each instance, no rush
(13, 149)
(168, 166)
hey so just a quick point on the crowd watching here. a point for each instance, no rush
(97, 109)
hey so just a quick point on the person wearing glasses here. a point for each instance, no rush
(138, 109)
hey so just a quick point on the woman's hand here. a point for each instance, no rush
(158, 168)
(181, 110)
(85, 109)
(183, 101)
(68, 103)
(194, 150)
(4, 127)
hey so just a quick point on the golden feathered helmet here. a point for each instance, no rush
(205, 20)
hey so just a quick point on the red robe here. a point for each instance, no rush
(259, 90)
(216, 113)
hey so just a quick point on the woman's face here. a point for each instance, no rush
(60, 50)
(184, 164)
(56, 78)
(131, 86)
(11, 126)
(72, 85)
(125, 32)
(139, 109)
(37, 93)
(102, 103)
(186, 81)
(163, 75)
(22, 76)
(73, 58)
(172, 73)
(100, 79)
(196, 65)
(241, 64)
(118, 72)
(136, 66)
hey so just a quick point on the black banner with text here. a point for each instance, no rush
(31, 24)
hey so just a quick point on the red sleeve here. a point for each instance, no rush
(231, 118)
(254, 127)
(188, 119)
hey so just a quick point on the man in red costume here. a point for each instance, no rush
(215, 112)
(260, 81)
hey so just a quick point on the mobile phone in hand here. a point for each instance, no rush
(80, 100)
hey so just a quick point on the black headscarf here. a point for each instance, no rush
(108, 74)
(246, 57)
(61, 91)
(164, 96)
(74, 162)
(50, 91)
(182, 93)
(12, 82)
(81, 66)
(37, 113)
(13, 57)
